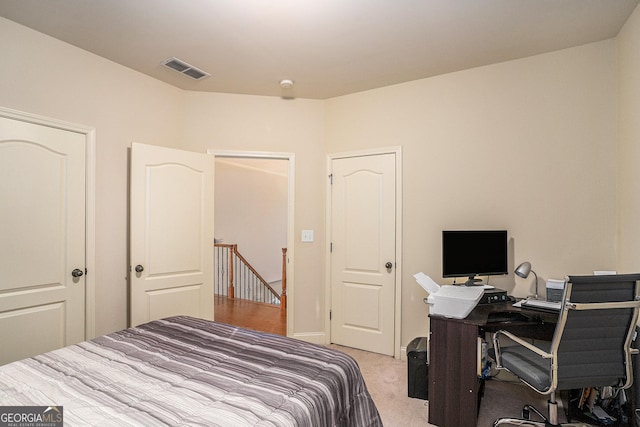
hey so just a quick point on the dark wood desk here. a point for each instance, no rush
(455, 390)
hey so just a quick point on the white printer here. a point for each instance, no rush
(450, 301)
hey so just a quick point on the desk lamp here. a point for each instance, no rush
(523, 271)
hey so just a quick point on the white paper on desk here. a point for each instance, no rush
(427, 283)
(555, 284)
(604, 272)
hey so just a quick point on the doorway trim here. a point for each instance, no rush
(397, 151)
(290, 217)
(90, 188)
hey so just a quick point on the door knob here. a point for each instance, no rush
(77, 273)
(139, 268)
(389, 265)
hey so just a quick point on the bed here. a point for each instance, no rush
(184, 371)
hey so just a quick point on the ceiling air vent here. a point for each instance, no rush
(186, 69)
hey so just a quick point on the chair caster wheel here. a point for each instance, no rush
(526, 414)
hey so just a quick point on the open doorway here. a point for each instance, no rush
(251, 254)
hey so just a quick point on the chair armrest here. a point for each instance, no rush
(602, 305)
(519, 341)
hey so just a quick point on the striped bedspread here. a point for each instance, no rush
(183, 371)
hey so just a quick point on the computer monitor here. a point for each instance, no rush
(471, 253)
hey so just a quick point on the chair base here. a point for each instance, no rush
(523, 422)
(519, 422)
(526, 420)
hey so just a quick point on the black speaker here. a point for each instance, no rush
(418, 368)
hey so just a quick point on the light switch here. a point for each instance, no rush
(307, 235)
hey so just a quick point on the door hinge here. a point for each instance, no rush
(331, 247)
(331, 179)
(330, 314)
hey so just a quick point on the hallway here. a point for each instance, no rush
(250, 315)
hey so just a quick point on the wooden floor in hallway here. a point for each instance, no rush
(250, 315)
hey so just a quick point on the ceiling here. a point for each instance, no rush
(327, 47)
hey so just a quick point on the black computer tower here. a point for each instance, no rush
(418, 368)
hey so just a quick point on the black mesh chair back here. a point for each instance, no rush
(594, 341)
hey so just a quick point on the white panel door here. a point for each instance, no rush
(363, 224)
(171, 239)
(42, 238)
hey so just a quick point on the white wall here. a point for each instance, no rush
(525, 145)
(528, 145)
(629, 144)
(44, 76)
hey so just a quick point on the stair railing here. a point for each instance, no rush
(237, 278)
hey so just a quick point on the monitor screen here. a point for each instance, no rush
(474, 253)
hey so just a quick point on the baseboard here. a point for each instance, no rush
(320, 337)
(312, 337)
(403, 353)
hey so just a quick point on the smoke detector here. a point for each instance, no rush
(286, 84)
(185, 69)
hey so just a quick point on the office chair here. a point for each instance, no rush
(591, 345)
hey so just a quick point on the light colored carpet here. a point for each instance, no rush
(386, 379)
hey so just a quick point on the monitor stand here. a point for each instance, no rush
(472, 281)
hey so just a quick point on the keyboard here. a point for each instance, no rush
(535, 304)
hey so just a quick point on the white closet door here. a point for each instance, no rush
(363, 257)
(42, 238)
